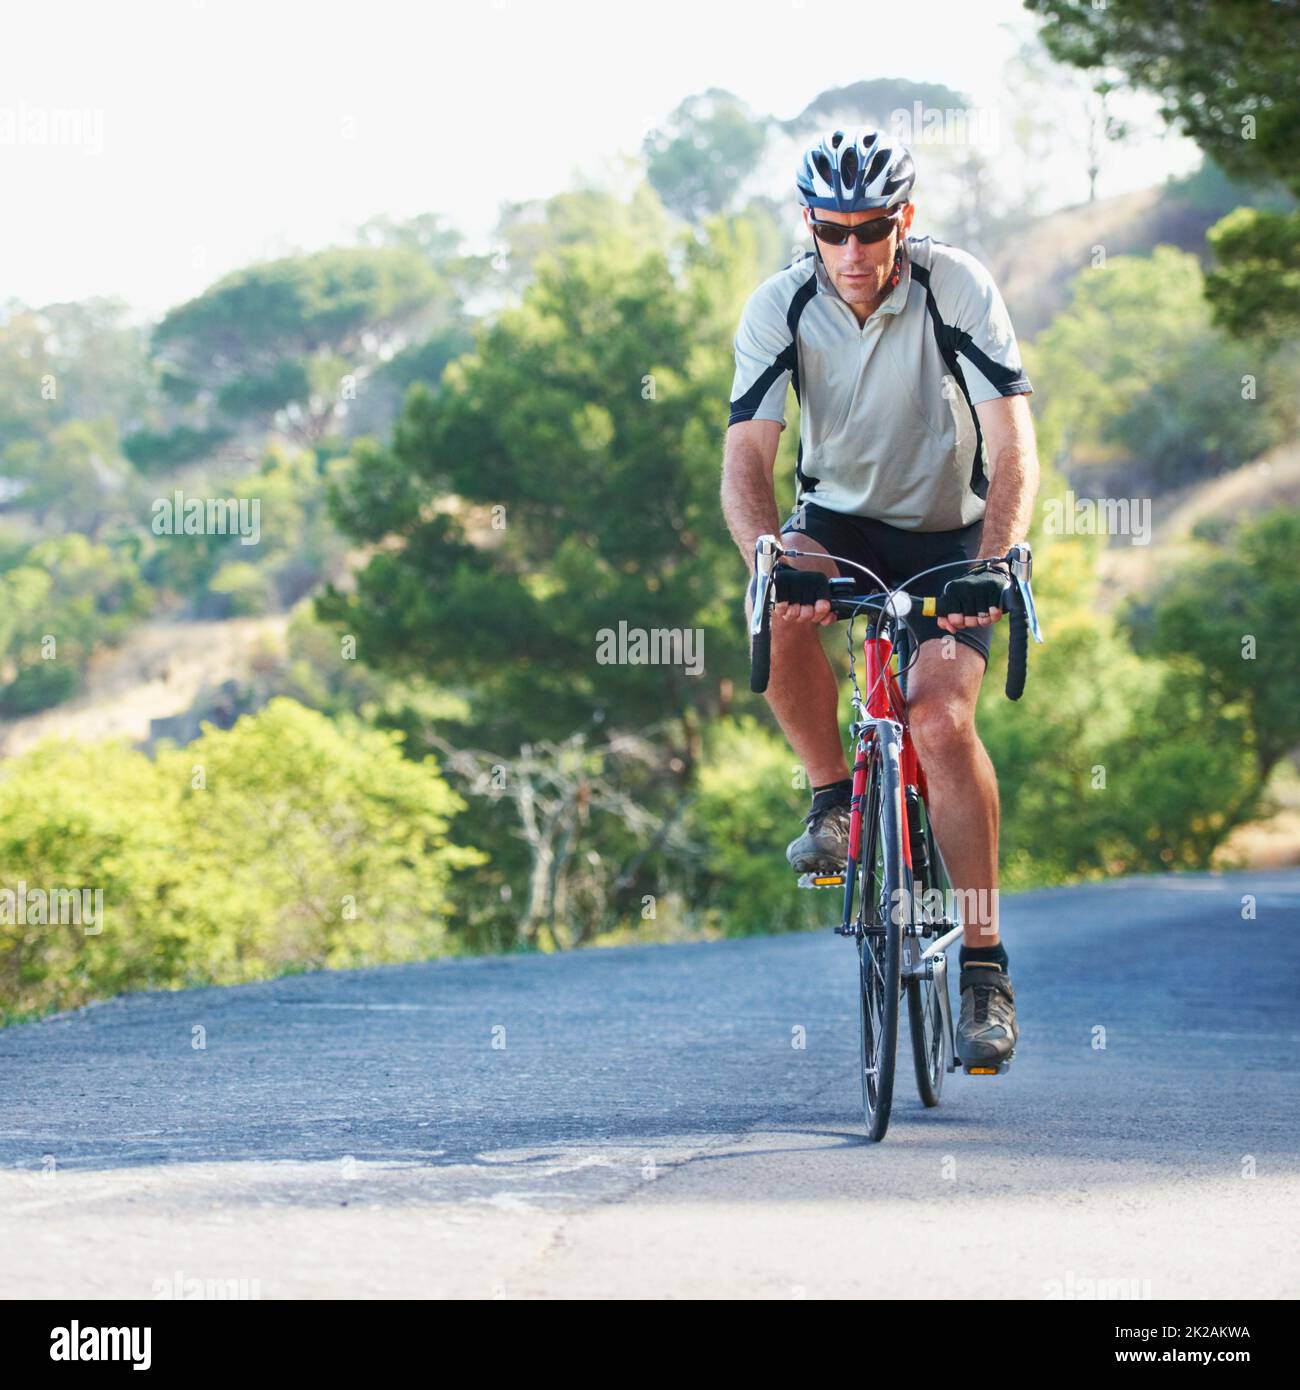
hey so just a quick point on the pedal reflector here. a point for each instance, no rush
(821, 880)
(981, 1071)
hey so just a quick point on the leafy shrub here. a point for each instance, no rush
(246, 587)
(154, 451)
(286, 841)
(38, 687)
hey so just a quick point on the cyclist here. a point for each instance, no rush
(916, 447)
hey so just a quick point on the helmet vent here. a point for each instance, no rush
(854, 169)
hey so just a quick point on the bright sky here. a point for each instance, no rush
(206, 134)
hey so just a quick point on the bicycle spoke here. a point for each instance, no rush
(878, 972)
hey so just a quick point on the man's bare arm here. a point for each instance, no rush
(1008, 430)
(749, 504)
(748, 489)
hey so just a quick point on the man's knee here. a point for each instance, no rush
(814, 558)
(942, 725)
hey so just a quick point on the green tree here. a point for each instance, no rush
(69, 362)
(1227, 75)
(1225, 70)
(1134, 377)
(73, 475)
(291, 334)
(564, 479)
(1255, 288)
(296, 544)
(159, 451)
(872, 101)
(704, 157)
(1101, 766)
(526, 232)
(62, 599)
(1230, 619)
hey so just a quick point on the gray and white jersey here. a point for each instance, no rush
(887, 422)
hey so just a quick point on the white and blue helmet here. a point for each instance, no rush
(852, 170)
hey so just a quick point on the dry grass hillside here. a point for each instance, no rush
(162, 670)
(1034, 265)
(1248, 491)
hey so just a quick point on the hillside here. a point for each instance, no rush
(1246, 492)
(1034, 264)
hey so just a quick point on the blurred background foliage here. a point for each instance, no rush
(382, 733)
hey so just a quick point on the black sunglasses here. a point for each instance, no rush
(833, 234)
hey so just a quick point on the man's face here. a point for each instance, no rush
(860, 273)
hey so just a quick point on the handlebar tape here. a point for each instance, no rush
(760, 657)
(1018, 653)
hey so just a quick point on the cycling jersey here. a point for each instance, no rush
(887, 426)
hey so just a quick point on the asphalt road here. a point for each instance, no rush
(641, 1123)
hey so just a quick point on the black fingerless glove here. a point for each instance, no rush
(800, 586)
(973, 594)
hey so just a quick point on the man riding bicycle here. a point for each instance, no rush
(916, 448)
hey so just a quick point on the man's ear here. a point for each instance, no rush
(909, 211)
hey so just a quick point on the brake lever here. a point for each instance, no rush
(767, 550)
(1020, 559)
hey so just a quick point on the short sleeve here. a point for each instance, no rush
(764, 360)
(986, 340)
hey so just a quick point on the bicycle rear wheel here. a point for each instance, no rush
(884, 890)
(927, 1018)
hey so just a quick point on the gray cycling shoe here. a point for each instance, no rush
(824, 847)
(987, 1032)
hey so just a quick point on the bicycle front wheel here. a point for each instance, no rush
(884, 899)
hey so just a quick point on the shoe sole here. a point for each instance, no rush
(977, 1068)
(811, 861)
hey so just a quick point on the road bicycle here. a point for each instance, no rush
(898, 901)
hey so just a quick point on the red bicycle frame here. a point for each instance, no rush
(884, 701)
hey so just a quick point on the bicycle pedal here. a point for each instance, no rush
(821, 880)
(988, 1068)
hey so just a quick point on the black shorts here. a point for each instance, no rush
(895, 556)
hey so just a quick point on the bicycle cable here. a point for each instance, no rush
(856, 699)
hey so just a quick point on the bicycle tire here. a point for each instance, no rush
(884, 885)
(925, 1014)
